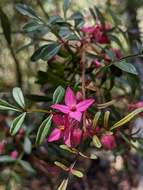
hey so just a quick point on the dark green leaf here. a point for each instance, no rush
(18, 96)
(27, 11)
(58, 94)
(46, 52)
(6, 159)
(43, 130)
(6, 106)
(17, 123)
(127, 67)
(27, 145)
(32, 26)
(27, 166)
(5, 26)
(66, 6)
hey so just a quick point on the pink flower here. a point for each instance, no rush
(108, 141)
(76, 135)
(97, 33)
(62, 130)
(136, 105)
(96, 63)
(14, 154)
(71, 107)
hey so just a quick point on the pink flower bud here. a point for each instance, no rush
(14, 154)
(2, 147)
(76, 137)
(21, 131)
(96, 63)
(79, 96)
(108, 141)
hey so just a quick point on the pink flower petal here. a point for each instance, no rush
(76, 115)
(61, 108)
(58, 120)
(84, 105)
(55, 135)
(67, 135)
(70, 97)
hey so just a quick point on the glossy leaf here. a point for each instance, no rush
(96, 141)
(6, 159)
(77, 173)
(46, 52)
(127, 118)
(66, 6)
(32, 26)
(17, 123)
(27, 145)
(63, 185)
(127, 67)
(106, 119)
(96, 118)
(59, 164)
(43, 130)
(18, 97)
(6, 106)
(27, 166)
(58, 94)
(26, 10)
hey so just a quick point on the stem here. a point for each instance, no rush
(38, 110)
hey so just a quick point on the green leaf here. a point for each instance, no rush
(106, 119)
(27, 11)
(63, 185)
(58, 94)
(5, 26)
(32, 26)
(6, 106)
(96, 141)
(17, 123)
(44, 129)
(127, 118)
(96, 118)
(26, 165)
(99, 15)
(18, 96)
(66, 6)
(77, 173)
(27, 145)
(59, 164)
(46, 52)
(6, 159)
(127, 67)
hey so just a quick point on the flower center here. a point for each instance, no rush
(73, 108)
(62, 127)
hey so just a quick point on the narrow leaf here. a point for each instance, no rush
(58, 94)
(17, 123)
(43, 130)
(127, 67)
(59, 164)
(77, 173)
(6, 159)
(27, 166)
(18, 96)
(66, 6)
(27, 145)
(96, 118)
(63, 185)
(106, 119)
(26, 10)
(6, 106)
(127, 118)
(96, 141)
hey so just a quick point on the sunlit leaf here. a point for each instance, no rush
(58, 94)
(18, 96)
(59, 164)
(44, 129)
(6, 106)
(17, 123)
(96, 118)
(63, 185)
(77, 173)
(27, 145)
(127, 118)
(96, 141)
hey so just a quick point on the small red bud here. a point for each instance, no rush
(108, 141)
